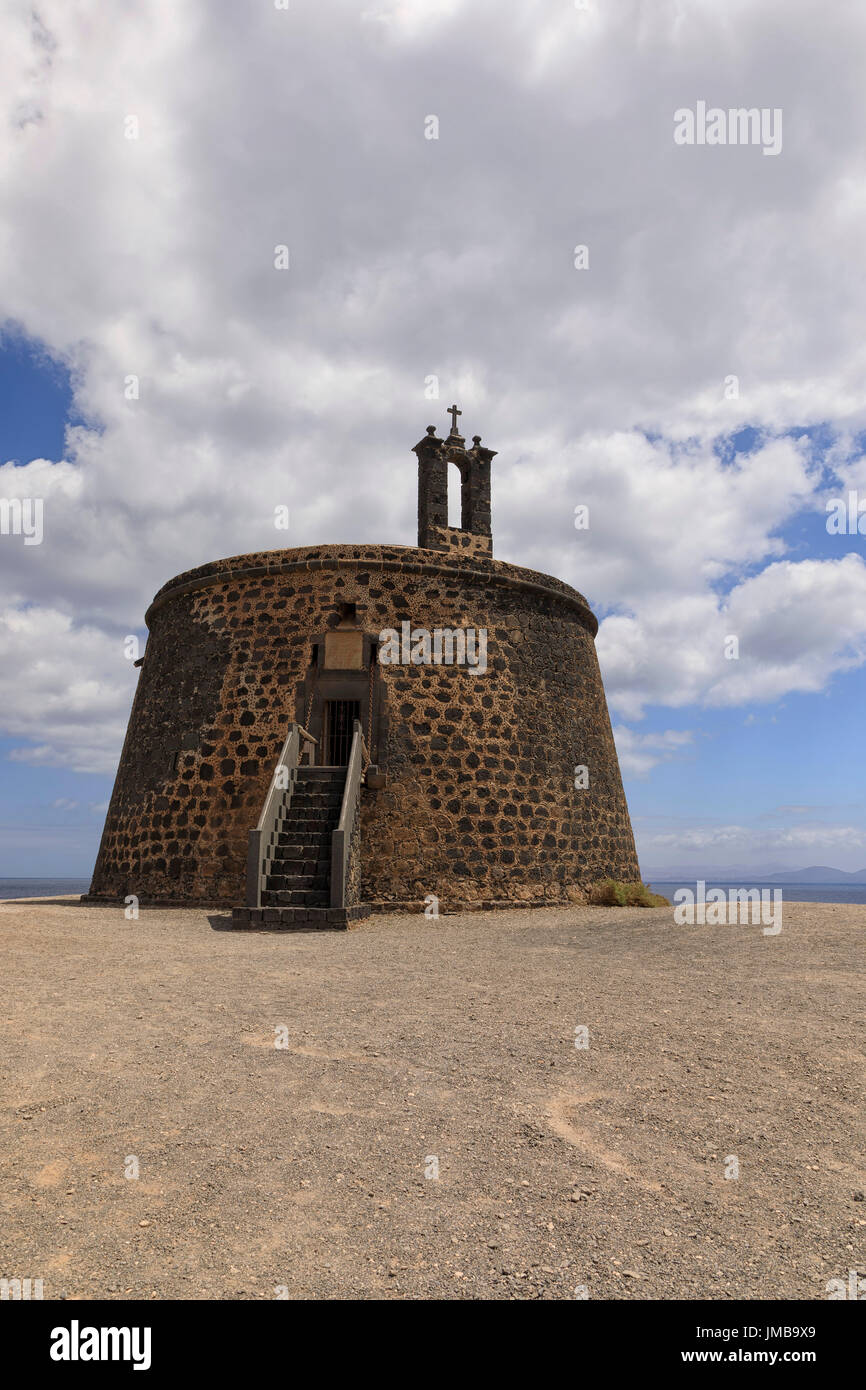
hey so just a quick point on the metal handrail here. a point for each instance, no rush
(341, 837)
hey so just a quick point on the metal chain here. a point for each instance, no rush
(310, 703)
(370, 714)
(312, 754)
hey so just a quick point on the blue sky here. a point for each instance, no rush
(163, 385)
(35, 402)
(50, 817)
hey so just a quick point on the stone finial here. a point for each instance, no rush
(430, 444)
(479, 451)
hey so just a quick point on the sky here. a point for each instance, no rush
(694, 377)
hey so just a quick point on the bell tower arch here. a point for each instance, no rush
(474, 535)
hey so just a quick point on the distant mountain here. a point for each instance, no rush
(818, 873)
(815, 873)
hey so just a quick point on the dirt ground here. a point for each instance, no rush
(412, 1045)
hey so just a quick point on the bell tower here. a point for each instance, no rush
(473, 536)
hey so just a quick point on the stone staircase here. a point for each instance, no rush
(297, 890)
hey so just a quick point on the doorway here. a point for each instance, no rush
(340, 716)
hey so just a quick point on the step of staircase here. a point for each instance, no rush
(298, 918)
(319, 794)
(300, 883)
(329, 805)
(295, 897)
(286, 864)
(296, 846)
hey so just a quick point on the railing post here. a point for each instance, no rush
(338, 868)
(254, 869)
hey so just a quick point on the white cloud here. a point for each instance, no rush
(797, 625)
(639, 753)
(731, 849)
(65, 689)
(409, 257)
(745, 839)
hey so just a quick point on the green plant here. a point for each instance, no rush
(609, 893)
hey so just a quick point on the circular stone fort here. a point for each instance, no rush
(326, 731)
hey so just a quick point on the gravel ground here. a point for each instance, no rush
(304, 1167)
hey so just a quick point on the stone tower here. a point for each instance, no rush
(324, 730)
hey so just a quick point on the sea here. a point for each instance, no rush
(791, 892)
(42, 887)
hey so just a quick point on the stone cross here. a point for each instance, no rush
(453, 412)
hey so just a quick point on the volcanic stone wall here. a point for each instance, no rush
(480, 803)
